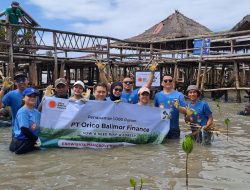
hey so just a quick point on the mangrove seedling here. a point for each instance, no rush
(227, 122)
(187, 146)
(133, 183)
(218, 105)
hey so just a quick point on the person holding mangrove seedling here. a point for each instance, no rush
(198, 116)
(245, 112)
(26, 126)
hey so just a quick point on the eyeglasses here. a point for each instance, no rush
(118, 89)
(166, 81)
(21, 80)
(128, 82)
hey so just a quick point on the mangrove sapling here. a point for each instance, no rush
(218, 105)
(187, 146)
(133, 183)
(227, 122)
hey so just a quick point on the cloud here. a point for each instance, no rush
(126, 18)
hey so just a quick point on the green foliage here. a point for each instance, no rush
(133, 183)
(187, 144)
(27, 35)
(227, 121)
(218, 105)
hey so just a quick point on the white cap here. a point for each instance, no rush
(143, 89)
(80, 83)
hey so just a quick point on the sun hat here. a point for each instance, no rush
(193, 87)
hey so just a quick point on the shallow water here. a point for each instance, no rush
(223, 165)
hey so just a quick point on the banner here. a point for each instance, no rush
(100, 124)
(141, 77)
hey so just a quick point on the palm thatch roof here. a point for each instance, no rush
(175, 26)
(244, 24)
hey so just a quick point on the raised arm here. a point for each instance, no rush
(152, 68)
(102, 75)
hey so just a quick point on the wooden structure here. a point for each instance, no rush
(52, 53)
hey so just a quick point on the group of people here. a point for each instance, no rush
(26, 107)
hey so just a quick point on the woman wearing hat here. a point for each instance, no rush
(26, 126)
(199, 116)
(78, 93)
(144, 96)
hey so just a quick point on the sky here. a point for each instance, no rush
(126, 18)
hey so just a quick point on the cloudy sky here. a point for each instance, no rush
(127, 18)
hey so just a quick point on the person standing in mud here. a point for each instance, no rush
(199, 116)
(171, 99)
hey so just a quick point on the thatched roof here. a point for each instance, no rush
(244, 24)
(175, 26)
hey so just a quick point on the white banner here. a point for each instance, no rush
(100, 124)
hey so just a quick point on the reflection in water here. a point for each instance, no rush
(223, 165)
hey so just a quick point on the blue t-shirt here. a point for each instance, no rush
(134, 98)
(202, 112)
(166, 101)
(131, 97)
(125, 95)
(29, 119)
(14, 100)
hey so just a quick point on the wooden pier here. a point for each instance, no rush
(53, 53)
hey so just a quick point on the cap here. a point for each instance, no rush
(60, 81)
(79, 83)
(15, 4)
(193, 87)
(29, 91)
(143, 89)
(20, 74)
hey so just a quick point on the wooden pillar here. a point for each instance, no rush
(55, 57)
(175, 75)
(198, 75)
(33, 74)
(76, 75)
(237, 83)
(204, 77)
(11, 58)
